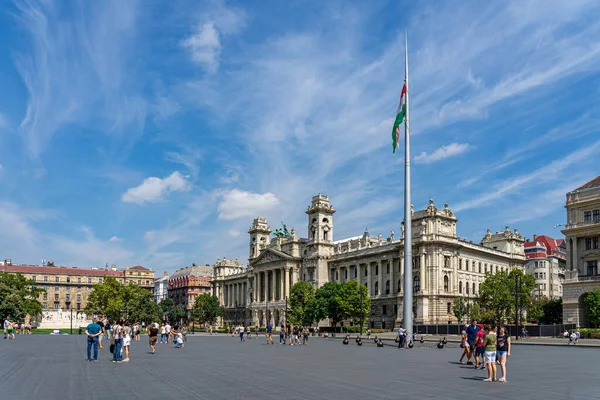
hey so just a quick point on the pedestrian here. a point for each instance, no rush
(490, 342)
(93, 331)
(118, 335)
(108, 329)
(242, 333)
(152, 337)
(163, 333)
(401, 337)
(127, 334)
(178, 338)
(101, 336)
(503, 351)
(248, 332)
(465, 345)
(268, 333)
(282, 335)
(5, 326)
(368, 332)
(479, 349)
(168, 332)
(11, 330)
(471, 335)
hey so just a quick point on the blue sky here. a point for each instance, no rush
(153, 132)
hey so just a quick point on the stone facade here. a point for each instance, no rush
(187, 283)
(68, 288)
(444, 266)
(546, 261)
(161, 288)
(582, 233)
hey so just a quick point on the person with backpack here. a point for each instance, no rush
(118, 334)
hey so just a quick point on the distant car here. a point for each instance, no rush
(57, 332)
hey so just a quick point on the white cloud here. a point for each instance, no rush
(234, 233)
(447, 151)
(204, 46)
(115, 239)
(153, 189)
(237, 203)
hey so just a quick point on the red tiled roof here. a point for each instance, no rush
(138, 268)
(591, 184)
(32, 269)
(550, 245)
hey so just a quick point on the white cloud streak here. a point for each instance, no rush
(237, 203)
(154, 189)
(447, 151)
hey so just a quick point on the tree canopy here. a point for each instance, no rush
(170, 311)
(459, 308)
(497, 294)
(18, 297)
(114, 301)
(592, 306)
(206, 309)
(303, 304)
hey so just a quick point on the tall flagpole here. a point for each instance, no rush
(407, 310)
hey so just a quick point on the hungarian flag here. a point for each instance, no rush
(399, 118)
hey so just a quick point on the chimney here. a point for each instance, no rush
(534, 237)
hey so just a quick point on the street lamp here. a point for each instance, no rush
(68, 304)
(361, 311)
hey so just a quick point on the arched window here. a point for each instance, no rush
(417, 284)
(387, 287)
(460, 287)
(467, 287)
(446, 283)
(325, 221)
(376, 288)
(473, 287)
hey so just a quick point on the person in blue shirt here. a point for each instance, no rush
(471, 332)
(268, 333)
(92, 331)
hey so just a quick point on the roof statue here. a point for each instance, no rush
(283, 232)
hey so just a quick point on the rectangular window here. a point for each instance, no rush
(45, 296)
(68, 280)
(377, 269)
(446, 261)
(480, 267)
(366, 271)
(45, 279)
(56, 288)
(45, 287)
(384, 309)
(588, 243)
(596, 215)
(89, 280)
(68, 298)
(57, 279)
(68, 288)
(78, 297)
(388, 268)
(140, 282)
(595, 243)
(355, 272)
(466, 265)
(100, 280)
(587, 216)
(45, 306)
(460, 263)
(56, 305)
(78, 306)
(78, 280)
(33, 278)
(592, 267)
(56, 297)
(395, 309)
(449, 308)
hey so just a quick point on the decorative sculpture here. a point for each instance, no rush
(282, 233)
(392, 235)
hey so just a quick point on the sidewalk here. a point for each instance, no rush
(537, 341)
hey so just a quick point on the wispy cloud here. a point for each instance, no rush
(154, 189)
(447, 151)
(237, 203)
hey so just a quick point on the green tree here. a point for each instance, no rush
(114, 300)
(302, 304)
(18, 297)
(552, 312)
(350, 294)
(592, 306)
(535, 313)
(475, 312)
(459, 308)
(497, 294)
(207, 309)
(166, 307)
(328, 303)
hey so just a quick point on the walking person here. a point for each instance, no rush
(108, 329)
(268, 333)
(5, 326)
(118, 335)
(465, 346)
(101, 336)
(503, 351)
(490, 342)
(152, 337)
(93, 331)
(248, 332)
(163, 333)
(127, 333)
(401, 337)
(242, 333)
(471, 336)
(479, 349)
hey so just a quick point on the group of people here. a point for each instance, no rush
(121, 333)
(573, 336)
(11, 328)
(484, 347)
(287, 334)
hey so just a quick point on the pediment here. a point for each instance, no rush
(269, 256)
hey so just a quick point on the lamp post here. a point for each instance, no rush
(361, 311)
(68, 304)
(235, 313)
(517, 311)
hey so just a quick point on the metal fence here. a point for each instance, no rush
(533, 330)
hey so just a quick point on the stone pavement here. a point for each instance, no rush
(220, 367)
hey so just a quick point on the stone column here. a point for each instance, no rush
(338, 272)
(287, 281)
(381, 288)
(400, 275)
(281, 284)
(274, 284)
(358, 276)
(575, 257)
(393, 282)
(422, 273)
(259, 287)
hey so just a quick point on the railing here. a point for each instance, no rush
(589, 277)
(584, 223)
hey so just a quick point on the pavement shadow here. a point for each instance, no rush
(473, 378)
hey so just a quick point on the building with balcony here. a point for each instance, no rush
(187, 283)
(546, 261)
(69, 287)
(444, 266)
(582, 233)
(161, 288)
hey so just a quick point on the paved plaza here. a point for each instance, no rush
(220, 367)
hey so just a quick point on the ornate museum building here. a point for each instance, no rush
(444, 266)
